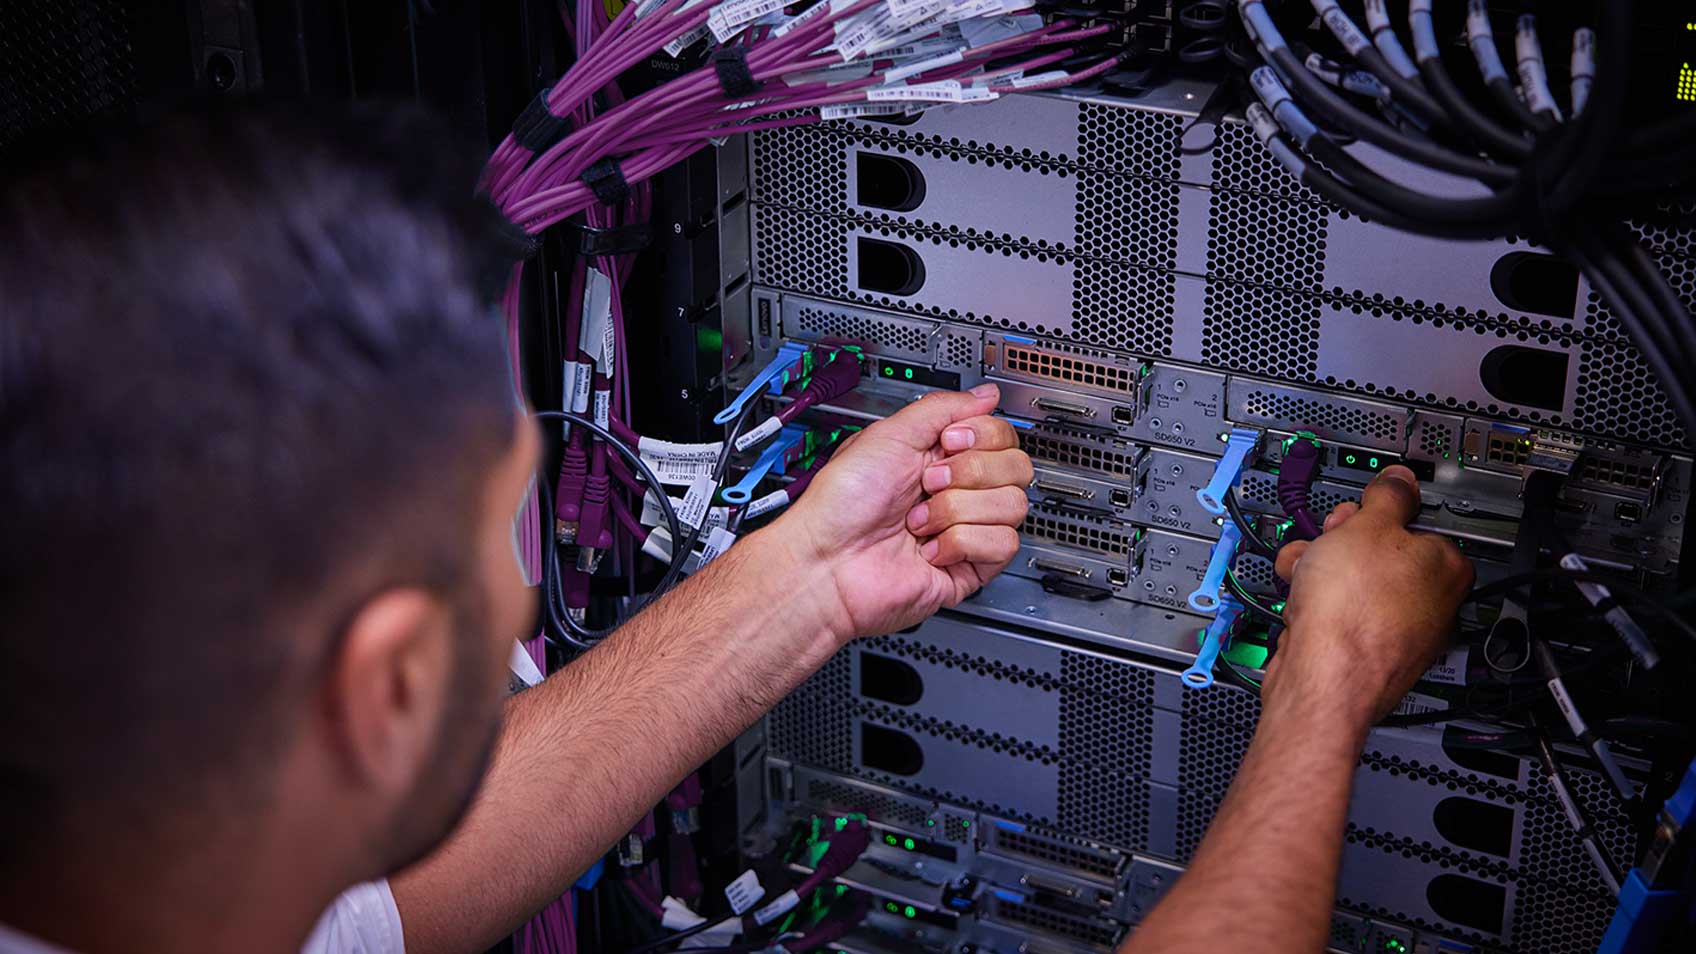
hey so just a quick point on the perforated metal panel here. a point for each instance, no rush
(1106, 730)
(1214, 735)
(62, 63)
(813, 724)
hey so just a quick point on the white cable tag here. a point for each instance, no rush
(581, 382)
(941, 91)
(603, 408)
(744, 892)
(1349, 35)
(1025, 82)
(522, 667)
(923, 66)
(784, 903)
(840, 73)
(676, 916)
(653, 516)
(924, 47)
(679, 464)
(728, 19)
(855, 36)
(685, 41)
(1268, 87)
(1004, 79)
(658, 544)
(695, 503)
(1417, 703)
(597, 319)
(765, 429)
(1377, 16)
(804, 17)
(1450, 667)
(718, 936)
(772, 501)
(1563, 702)
(718, 541)
(855, 110)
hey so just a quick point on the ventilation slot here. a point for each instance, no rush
(887, 182)
(1532, 377)
(889, 268)
(879, 335)
(1061, 925)
(1083, 451)
(1100, 862)
(838, 797)
(1535, 282)
(1082, 534)
(1298, 412)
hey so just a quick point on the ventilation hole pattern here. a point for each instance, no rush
(1551, 851)
(1255, 572)
(1106, 732)
(1128, 220)
(1618, 395)
(1053, 849)
(1124, 306)
(1137, 142)
(800, 252)
(801, 168)
(1671, 231)
(960, 351)
(1437, 439)
(1266, 241)
(813, 724)
(1402, 848)
(1217, 725)
(65, 63)
(960, 734)
(1077, 532)
(969, 151)
(875, 806)
(826, 323)
(956, 829)
(1266, 331)
(1040, 363)
(981, 666)
(1053, 445)
(1090, 931)
(1242, 164)
(1272, 406)
(1549, 919)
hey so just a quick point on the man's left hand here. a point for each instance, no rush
(914, 513)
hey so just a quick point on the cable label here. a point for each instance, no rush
(764, 430)
(658, 544)
(1450, 668)
(1040, 79)
(695, 502)
(840, 73)
(1268, 87)
(718, 541)
(854, 110)
(686, 40)
(676, 916)
(582, 380)
(679, 464)
(1417, 703)
(744, 892)
(771, 912)
(1343, 28)
(1377, 17)
(727, 19)
(597, 320)
(1563, 702)
(653, 516)
(941, 91)
(922, 66)
(772, 501)
(603, 408)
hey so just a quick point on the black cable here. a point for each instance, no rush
(1583, 825)
(1485, 131)
(1628, 304)
(673, 938)
(1494, 210)
(1245, 527)
(1249, 600)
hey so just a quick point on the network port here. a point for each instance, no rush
(1118, 578)
(1124, 415)
(1119, 498)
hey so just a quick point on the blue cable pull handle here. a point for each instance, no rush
(1237, 448)
(1206, 596)
(1200, 675)
(786, 358)
(770, 460)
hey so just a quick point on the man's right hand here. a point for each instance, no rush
(1371, 604)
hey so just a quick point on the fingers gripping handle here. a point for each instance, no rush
(780, 370)
(1213, 642)
(771, 460)
(1238, 447)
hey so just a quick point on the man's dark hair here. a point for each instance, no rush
(247, 379)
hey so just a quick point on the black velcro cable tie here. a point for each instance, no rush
(606, 180)
(537, 128)
(734, 76)
(617, 240)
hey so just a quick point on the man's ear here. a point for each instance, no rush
(388, 687)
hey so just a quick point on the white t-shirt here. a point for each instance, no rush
(364, 920)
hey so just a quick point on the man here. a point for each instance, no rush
(258, 466)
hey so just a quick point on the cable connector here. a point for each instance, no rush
(1296, 473)
(791, 361)
(1239, 445)
(568, 493)
(1213, 642)
(771, 460)
(594, 532)
(1602, 598)
(1206, 597)
(834, 376)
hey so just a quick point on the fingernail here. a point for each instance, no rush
(917, 516)
(1398, 472)
(928, 551)
(958, 438)
(985, 390)
(937, 477)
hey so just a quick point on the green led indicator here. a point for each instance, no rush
(891, 907)
(891, 839)
(1372, 462)
(888, 371)
(909, 844)
(1395, 946)
(930, 822)
(910, 911)
(1350, 459)
(909, 374)
(841, 823)
(965, 824)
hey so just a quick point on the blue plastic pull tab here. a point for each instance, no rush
(1238, 446)
(770, 461)
(785, 360)
(1206, 596)
(1200, 675)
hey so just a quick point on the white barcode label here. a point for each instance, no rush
(685, 41)
(658, 544)
(727, 19)
(1416, 703)
(718, 541)
(744, 892)
(597, 319)
(855, 110)
(923, 66)
(1026, 82)
(679, 464)
(766, 504)
(653, 516)
(941, 91)
(1450, 667)
(603, 408)
(811, 13)
(695, 503)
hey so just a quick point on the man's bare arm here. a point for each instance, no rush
(583, 755)
(1370, 606)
